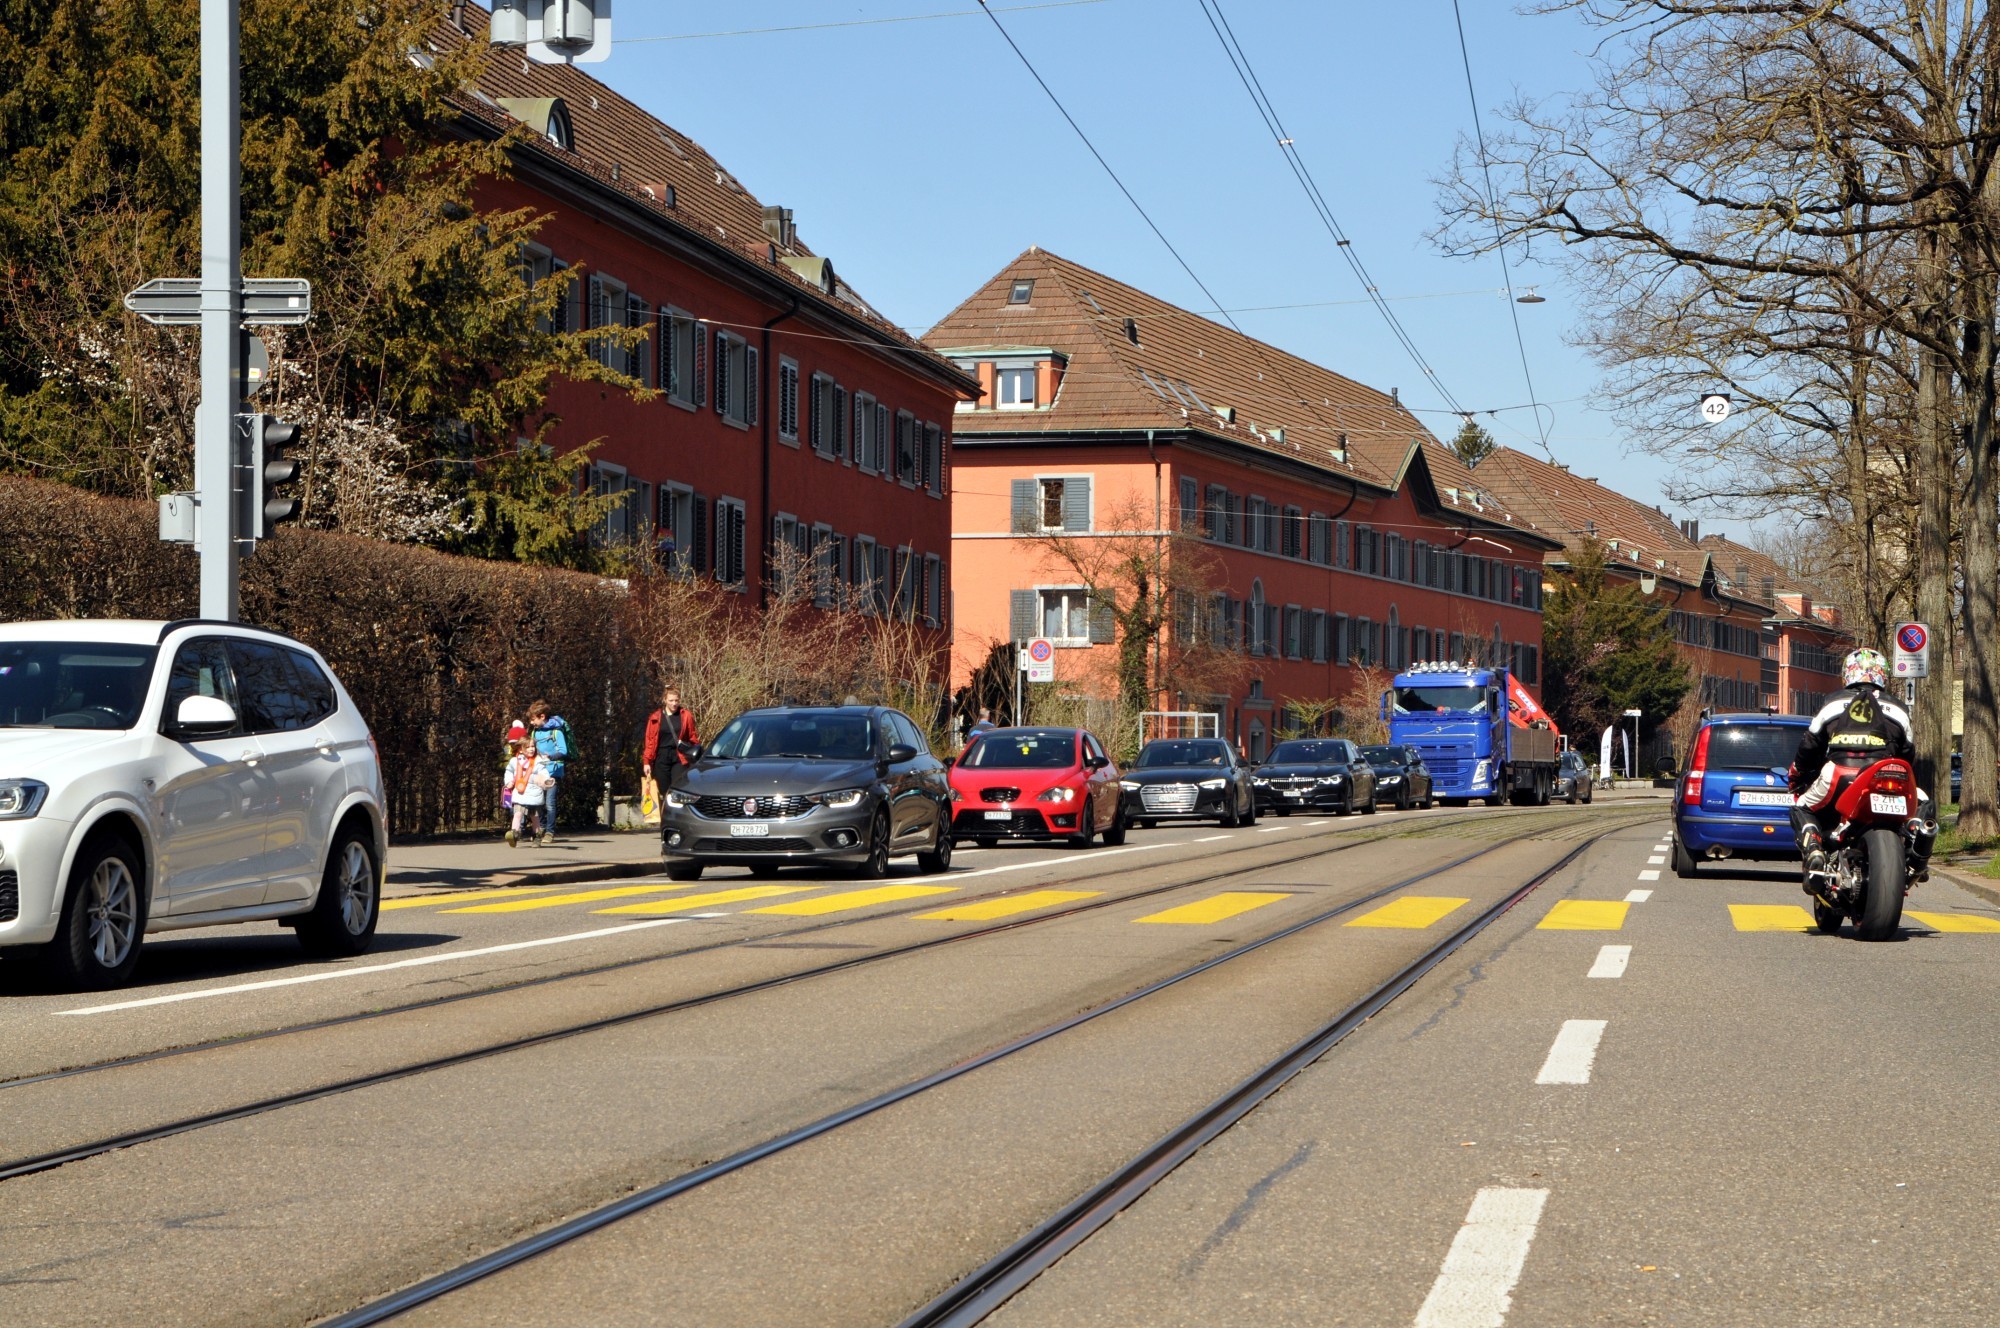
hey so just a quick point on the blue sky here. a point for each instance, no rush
(920, 156)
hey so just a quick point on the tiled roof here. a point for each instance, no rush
(1745, 570)
(626, 149)
(1573, 509)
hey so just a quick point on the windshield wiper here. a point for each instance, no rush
(800, 756)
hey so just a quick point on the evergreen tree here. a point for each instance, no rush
(1472, 443)
(1606, 649)
(428, 357)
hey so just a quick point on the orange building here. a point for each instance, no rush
(1333, 533)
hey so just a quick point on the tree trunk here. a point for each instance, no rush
(1979, 804)
(1931, 541)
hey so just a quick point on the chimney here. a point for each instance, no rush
(778, 225)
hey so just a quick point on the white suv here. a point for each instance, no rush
(155, 776)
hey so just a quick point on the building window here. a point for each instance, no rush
(537, 266)
(1064, 616)
(1051, 502)
(788, 404)
(861, 591)
(823, 414)
(1189, 512)
(934, 590)
(678, 374)
(737, 383)
(1021, 291)
(624, 519)
(1016, 388)
(729, 524)
(607, 309)
(909, 458)
(934, 459)
(1293, 543)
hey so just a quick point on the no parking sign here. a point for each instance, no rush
(1913, 650)
(1041, 660)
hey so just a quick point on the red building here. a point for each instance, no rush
(1340, 534)
(789, 412)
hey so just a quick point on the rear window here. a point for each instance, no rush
(1760, 747)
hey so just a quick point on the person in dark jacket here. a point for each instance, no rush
(670, 739)
(1857, 727)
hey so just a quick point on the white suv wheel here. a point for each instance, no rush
(113, 906)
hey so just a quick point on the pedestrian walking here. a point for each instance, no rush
(983, 724)
(670, 740)
(517, 732)
(529, 789)
(552, 739)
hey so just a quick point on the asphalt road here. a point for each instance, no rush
(1750, 1125)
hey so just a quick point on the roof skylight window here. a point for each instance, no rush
(1021, 291)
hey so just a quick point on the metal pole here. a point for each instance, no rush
(221, 307)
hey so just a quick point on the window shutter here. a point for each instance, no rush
(753, 386)
(635, 358)
(1190, 501)
(736, 533)
(1021, 614)
(933, 458)
(1076, 503)
(663, 353)
(700, 395)
(881, 441)
(593, 314)
(1024, 507)
(696, 539)
(860, 433)
(721, 374)
(837, 422)
(1103, 622)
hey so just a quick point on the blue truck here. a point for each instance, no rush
(1456, 717)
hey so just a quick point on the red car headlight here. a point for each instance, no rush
(1064, 793)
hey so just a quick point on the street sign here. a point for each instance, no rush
(1041, 660)
(267, 301)
(1715, 408)
(1913, 651)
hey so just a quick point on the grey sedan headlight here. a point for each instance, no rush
(839, 799)
(679, 798)
(21, 798)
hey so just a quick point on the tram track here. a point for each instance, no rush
(1075, 1223)
(431, 1003)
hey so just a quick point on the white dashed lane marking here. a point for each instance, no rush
(1655, 861)
(1637, 896)
(1573, 1053)
(1611, 961)
(1475, 1288)
(1649, 875)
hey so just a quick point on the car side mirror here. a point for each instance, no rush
(1095, 762)
(204, 717)
(901, 752)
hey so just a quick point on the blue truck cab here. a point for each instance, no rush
(1455, 715)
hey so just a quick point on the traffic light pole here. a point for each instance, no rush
(216, 446)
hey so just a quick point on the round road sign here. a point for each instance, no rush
(1913, 638)
(1041, 650)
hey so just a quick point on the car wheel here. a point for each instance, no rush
(986, 841)
(1086, 835)
(763, 871)
(684, 871)
(1588, 794)
(104, 915)
(938, 858)
(343, 917)
(1230, 818)
(1685, 863)
(1369, 808)
(1114, 834)
(877, 865)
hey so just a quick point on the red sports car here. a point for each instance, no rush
(1034, 783)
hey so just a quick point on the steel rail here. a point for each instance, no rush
(986, 1289)
(442, 1284)
(49, 1161)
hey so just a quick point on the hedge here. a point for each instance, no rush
(439, 652)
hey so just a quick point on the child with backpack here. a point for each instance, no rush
(528, 786)
(552, 739)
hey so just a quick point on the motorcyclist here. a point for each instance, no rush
(1857, 727)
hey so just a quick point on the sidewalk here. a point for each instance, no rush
(471, 864)
(1967, 878)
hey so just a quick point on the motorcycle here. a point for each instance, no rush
(1870, 862)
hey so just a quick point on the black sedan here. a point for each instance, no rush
(1401, 777)
(1572, 779)
(1187, 779)
(852, 785)
(1315, 774)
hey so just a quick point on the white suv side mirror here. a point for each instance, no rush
(204, 717)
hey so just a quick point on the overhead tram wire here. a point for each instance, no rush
(850, 23)
(1218, 22)
(1499, 247)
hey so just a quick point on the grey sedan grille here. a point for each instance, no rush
(729, 809)
(1168, 797)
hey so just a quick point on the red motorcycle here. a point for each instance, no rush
(1869, 862)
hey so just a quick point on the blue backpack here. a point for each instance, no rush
(553, 740)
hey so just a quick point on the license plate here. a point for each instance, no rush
(1763, 798)
(1295, 796)
(749, 831)
(1888, 805)
(999, 816)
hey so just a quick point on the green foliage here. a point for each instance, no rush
(426, 361)
(1472, 443)
(1607, 649)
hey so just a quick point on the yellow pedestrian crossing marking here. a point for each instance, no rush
(1216, 907)
(1955, 921)
(1007, 905)
(1585, 915)
(1770, 917)
(840, 903)
(461, 897)
(1414, 911)
(580, 897)
(664, 907)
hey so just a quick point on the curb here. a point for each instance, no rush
(528, 876)
(1985, 889)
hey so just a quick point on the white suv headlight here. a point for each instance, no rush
(21, 798)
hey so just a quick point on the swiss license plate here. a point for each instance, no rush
(1888, 804)
(1763, 798)
(1293, 796)
(999, 816)
(749, 831)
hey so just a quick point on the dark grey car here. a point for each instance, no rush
(1315, 774)
(1572, 779)
(850, 785)
(1177, 779)
(1401, 777)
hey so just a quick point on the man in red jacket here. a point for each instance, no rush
(670, 738)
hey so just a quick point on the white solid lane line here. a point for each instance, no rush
(1650, 875)
(1574, 1050)
(364, 969)
(1637, 896)
(1270, 829)
(1311, 824)
(1475, 1288)
(1210, 839)
(1611, 961)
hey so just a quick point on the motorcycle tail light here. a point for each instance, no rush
(1891, 782)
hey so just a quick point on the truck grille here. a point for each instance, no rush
(1168, 797)
(730, 809)
(1001, 795)
(10, 896)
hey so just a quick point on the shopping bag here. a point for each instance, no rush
(649, 799)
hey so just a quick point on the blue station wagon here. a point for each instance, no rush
(1732, 802)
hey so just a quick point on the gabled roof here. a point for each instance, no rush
(659, 171)
(1136, 362)
(1575, 509)
(1744, 571)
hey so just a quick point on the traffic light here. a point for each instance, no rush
(269, 468)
